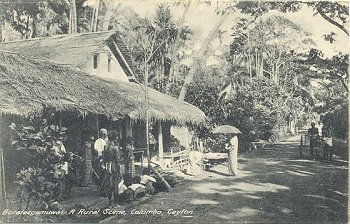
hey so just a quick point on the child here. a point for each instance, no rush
(129, 162)
(87, 155)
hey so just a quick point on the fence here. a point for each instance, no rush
(304, 143)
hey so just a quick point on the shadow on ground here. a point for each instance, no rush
(274, 186)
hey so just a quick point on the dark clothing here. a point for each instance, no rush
(87, 167)
(111, 157)
(129, 166)
(313, 133)
(129, 172)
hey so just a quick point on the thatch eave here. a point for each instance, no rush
(29, 86)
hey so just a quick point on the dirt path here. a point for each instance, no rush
(274, 186)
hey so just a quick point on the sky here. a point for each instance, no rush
(201, 18)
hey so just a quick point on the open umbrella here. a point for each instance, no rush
(226, 129)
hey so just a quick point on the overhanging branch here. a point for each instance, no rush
(335, 23)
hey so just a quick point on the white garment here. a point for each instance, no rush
(234, 142)
(65, 164)
(121, 187)
(232, 157)
(194, 166)
(146, 179)
(65, 167)
(329, 141)
(134, 187)
(100, 146)
(60, 150)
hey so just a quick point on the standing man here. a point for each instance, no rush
(99, 147)
(313, 134)
(113, 172)
(232, 148)
(327, 134)
(101, 142)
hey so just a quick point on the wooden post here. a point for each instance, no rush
(5, 203)
(160, 145)
(3, 181)
(97, 126)
(147, 116)
(128, 127)
(301, 145)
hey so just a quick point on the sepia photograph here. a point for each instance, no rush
(174, 111)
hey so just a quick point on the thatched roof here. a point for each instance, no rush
(161, 106)
(27, 86)
(73, 49)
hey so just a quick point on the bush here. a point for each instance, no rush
(39, 181)
(260, 109)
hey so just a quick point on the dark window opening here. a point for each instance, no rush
(95, 61)
(109, 64)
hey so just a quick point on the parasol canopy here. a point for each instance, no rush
(226, 129)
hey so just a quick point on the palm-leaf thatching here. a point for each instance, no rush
(27, 86)
(161, 106)
(74, 49)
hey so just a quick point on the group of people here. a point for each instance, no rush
(318, 141)
(100, 162)
(106, 160)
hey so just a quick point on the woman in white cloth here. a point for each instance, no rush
(232, 156)
(194, 163)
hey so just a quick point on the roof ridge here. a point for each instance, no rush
(61, 36)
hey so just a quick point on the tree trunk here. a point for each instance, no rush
(1, 24)
(27, 27)
(162, 71)
(256, 63)
(34, 29)
(72, 17)
(277, 73)
(278, 65)
(261, 70)
(202, 55)
(94, 18)
(160, 144)
(107, 16)
(174, 64)
(249, 58)
(272, 75)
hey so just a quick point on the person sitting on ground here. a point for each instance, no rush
(125, 194)
(147, 180)
(313, 135)
(139, 190)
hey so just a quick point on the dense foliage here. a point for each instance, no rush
(261, 81)
(39, 179)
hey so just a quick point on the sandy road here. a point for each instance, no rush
(274, 186)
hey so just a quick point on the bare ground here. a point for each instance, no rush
(274, 186)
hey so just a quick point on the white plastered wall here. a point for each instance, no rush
(116, 71)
